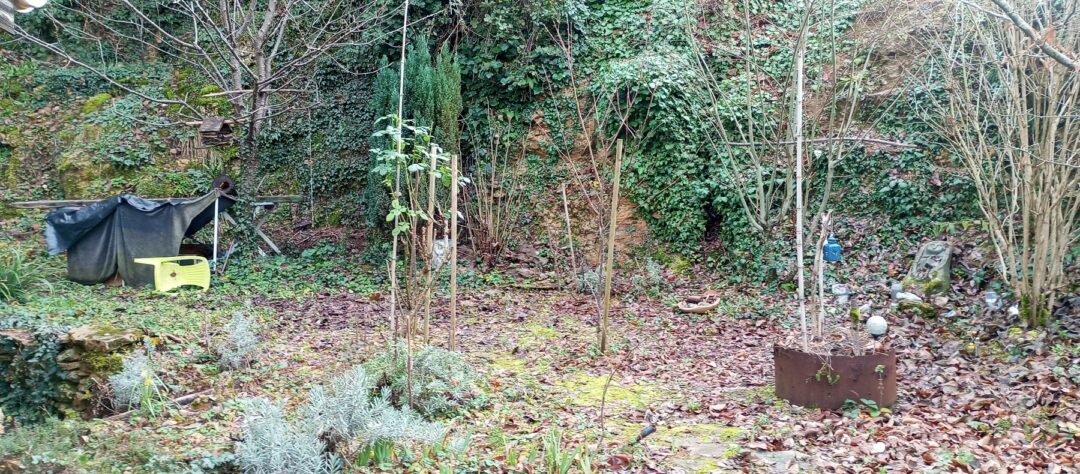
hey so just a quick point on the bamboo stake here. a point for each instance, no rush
(431, 246)
(397, 195)
(569, 232)
(819, 273)
(397, 179)
(453, 250)
(611, 247)
(800, 52)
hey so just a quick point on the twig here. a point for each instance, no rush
(876, 141)
(603, 406)
(569, 232)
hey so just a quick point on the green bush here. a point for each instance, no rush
(51, 446)
(17, 275)
(31, 382)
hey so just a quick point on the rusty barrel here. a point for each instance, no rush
(826, 381)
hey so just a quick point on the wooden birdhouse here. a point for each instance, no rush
(214, 131)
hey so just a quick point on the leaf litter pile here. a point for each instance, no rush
(968, 402)
(976, 394)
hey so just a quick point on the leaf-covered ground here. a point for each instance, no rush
(976, 393)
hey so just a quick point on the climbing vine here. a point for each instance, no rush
(30, 378)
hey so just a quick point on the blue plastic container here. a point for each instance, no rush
(832, 251)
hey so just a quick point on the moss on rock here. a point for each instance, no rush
(917, 308)
(103, 364)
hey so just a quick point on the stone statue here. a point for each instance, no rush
(930, 271)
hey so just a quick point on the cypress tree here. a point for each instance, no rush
(384, 99)
(384, 102)
(419, 87)
(448, 104)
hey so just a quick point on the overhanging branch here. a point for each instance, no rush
(876, 141)
(1029, 31)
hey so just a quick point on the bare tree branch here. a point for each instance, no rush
(1040, 41)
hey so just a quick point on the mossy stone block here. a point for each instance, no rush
(917, 308)
(931, 270)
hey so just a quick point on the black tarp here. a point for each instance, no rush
(105, 238)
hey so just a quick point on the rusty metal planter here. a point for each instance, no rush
(826, 381)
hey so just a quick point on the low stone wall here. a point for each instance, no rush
(86, 356)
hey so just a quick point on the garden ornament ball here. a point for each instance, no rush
(877, 326)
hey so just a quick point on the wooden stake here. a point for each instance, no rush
(397, 181)
(819, 274)
(397, 195)
(430, 246)
(800, 52)
(611, 247)
(453, 250)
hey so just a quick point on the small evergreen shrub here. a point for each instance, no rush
(351, 408)
(348, 412)
(273, 446)
(443, 384)
(589, 282)
(650, 281)
(136, 385)
(241, 339)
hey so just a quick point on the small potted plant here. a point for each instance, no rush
(838, 364)
(825, 375)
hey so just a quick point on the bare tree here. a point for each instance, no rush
(1009, 111)
(259, 54)
(598, 119)
(764, 165)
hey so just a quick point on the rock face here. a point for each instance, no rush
(930, 271)
(101, 338)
